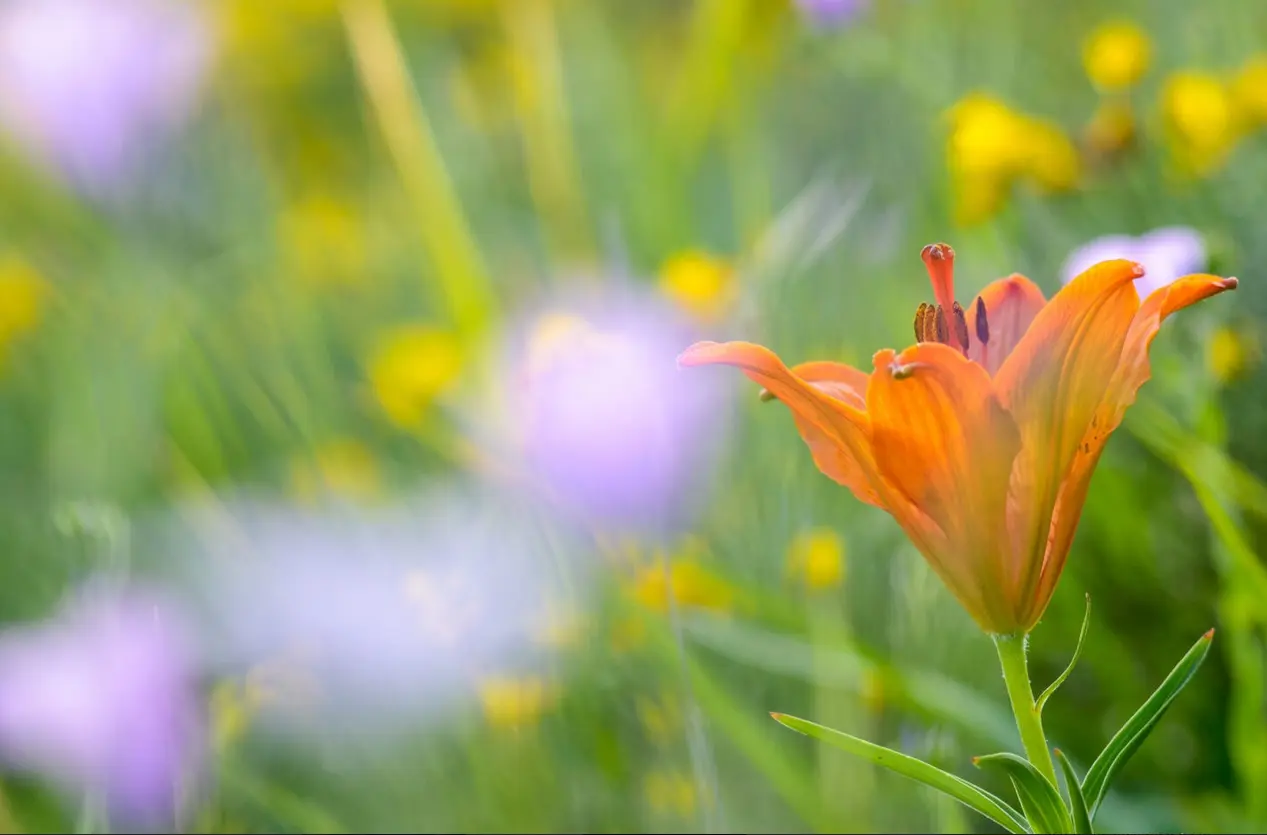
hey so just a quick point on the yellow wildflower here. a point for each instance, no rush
(1051, 158)
(817, 558)
(1116, 55)
(512, 702)
(670, 792)
(22, 295)
(277, 35)
(661, 718)
(324, 241)
(1201, 120)
(1112, 128)
(1249, 89)
(689, 583)
(701, 284)
(342, 467)
(410, 367)
(1230, 353)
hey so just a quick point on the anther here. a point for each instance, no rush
(983, 325)
(943, 332)
(961, 328)
(919, 321)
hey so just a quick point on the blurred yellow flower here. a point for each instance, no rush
(701, 284)
(324, 241)
(670, 792)
(991, 146)
(410, 367)
(1230, 353)
(817, 558)
(1116, 55)
(513, 702)
(689, 583)
(342, 467)
(1112, 128)
(661, 718)
(22, 295)
(1200, 119)
(1249, 90)
(272, 45)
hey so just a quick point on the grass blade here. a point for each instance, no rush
(966, 793)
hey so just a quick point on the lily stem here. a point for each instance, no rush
(1028, 720)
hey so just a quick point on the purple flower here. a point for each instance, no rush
(1166, 253)
(90, 86)
(606, 424)
(100, 699)
(831, 12)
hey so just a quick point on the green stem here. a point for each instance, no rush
(1028, 720)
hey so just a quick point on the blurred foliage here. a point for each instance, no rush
(296, 298)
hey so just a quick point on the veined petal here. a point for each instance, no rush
(1132, 372)
(837, 433)
(843, 382)
(1010, 305)
(942, 438)
(1052, 384)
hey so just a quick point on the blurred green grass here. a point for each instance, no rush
(221, 333)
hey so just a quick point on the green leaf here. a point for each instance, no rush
(1077, 803)
(1039, 798)
(1077, 652)
(973, 797)
(1132, 735)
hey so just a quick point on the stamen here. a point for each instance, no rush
(961, 329)
(983, 326)
(943, 332)
(920, 315)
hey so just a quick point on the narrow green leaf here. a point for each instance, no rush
(1077, 653)
(973, 797)
(1077, 803)
(1132, 735)
(1039, 798)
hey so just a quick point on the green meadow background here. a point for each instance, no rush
(376, 188)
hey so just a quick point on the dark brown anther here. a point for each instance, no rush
(983, 326)
(961, 328)
(943, 332)
(920, 315)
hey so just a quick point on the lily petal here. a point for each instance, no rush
(1010, 307)
(843, 382)
(942, 438)
(1053, 383)
(1132, 372)
(837, 433)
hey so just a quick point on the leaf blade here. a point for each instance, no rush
(1077, 803)
(1039, 798)
(1077, 653)
(972, 796)
(1132, 735)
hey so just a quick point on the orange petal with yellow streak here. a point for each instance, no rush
(1132, 372)
(942, 438)
(1010, 307)
(837, 433)
(1052, 383)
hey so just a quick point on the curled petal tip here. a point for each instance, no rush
(1137, 270)
(697, 354)
(1229, 283)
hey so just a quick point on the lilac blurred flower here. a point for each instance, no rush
(90, 86)
(1167, 253)
(100, 699)
(382, 615)
(604, 421)
(831, 12)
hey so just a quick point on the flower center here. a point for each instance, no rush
(945, 321)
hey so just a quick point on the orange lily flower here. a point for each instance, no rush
(980, 439)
